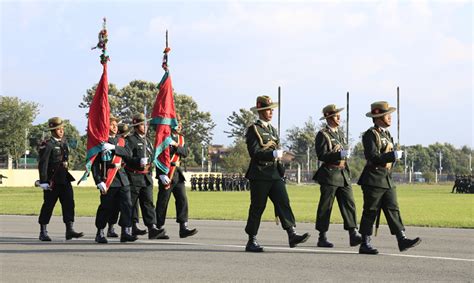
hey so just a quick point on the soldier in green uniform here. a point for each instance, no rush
(334, 178)
(55, 180)
(376, 180)
(266, 178)
(141, 179)
(118, 194)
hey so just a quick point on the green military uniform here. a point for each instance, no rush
(334, 178)
(376, 180)
(266, 179)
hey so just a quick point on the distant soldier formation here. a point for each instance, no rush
(463, 185)
(219, 182)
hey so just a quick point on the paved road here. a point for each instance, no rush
(216, 254)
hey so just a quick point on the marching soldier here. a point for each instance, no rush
(175, 186)
(199, 182)
(334, 178)
(205, 181)
(193, 182)
(55, 180)
(107, 168)
(211, 182)
(141, 179)
(265, 178)
(218, 182)
(122, 131)
(376, 180)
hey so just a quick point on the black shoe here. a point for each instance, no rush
(295, 239)
(253, 246)
(70, 233)
(184, 231)
(354, 238)
(366, 247)
(137, 231)
(100, 237)
(126, 235)
(154, 232)
(43, 236)
(404, 243)
(323, 241)
(111, 232)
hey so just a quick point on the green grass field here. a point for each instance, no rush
(420, 205)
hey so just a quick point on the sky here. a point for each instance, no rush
(225, 54)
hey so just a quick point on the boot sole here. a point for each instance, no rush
(254, 251)
(412, 246)
(188, 235)
(75, 237)
(369, 253)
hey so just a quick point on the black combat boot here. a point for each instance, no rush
(70, 233)
(162, 236)
(354, 237)
(252, 245)
(323, 241)
(154, 232)
(44, 234)
(127, 236)
(136, 231)
(295, 239)
(366, 247)
(184, 231)
(111, 232)
(100, 237)
(404, 243)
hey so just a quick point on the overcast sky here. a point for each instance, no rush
(225, 54)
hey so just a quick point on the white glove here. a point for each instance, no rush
(108, 147)
(164, 179)
(278, 153)
(174, 143)
(143, 161)
(45, 187)
(346, 153)
(102, 187)
(398, 154)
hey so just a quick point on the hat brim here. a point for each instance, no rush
(55, 127)
(371, 115)
(333, 114)
(271, 106)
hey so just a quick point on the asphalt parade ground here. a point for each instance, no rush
(217, 254)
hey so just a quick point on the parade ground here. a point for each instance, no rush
(217, 254)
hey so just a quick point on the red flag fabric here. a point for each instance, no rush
(98, 121)
(164, 117)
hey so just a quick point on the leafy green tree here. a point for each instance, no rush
(239, 122)
(298, 140)
(237, 160)
(16, 117)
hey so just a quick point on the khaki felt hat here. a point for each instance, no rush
(264, 102)
(330, 110)
(54, 123)
(379, 109)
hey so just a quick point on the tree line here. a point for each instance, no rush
(17, 130)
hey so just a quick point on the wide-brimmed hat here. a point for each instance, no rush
(138, 119)
(264, 102)
(330, 110)
(113, 118)
(379, 109)
(123, 129)
(54, 123)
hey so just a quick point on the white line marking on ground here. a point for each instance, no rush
(241, 247)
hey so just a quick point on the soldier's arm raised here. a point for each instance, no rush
(371, 151)
(254, 148)
(322, 150)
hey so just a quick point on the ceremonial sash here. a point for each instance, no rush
(175, 159)
(111, 172)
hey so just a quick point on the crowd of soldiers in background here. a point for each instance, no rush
(219, 182)
(463, 184)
